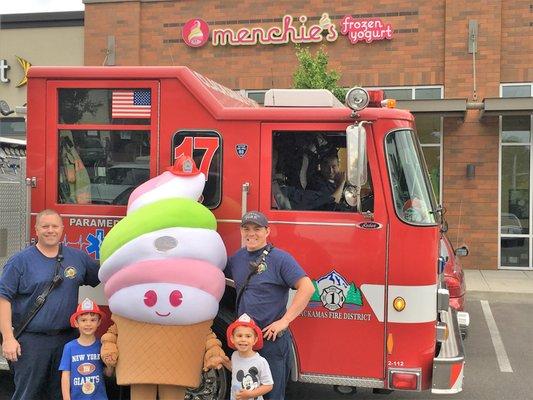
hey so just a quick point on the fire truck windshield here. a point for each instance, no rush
(411, 188)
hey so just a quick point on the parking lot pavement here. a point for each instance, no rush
(499, 356)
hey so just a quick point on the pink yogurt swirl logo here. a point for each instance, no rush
(195, 32)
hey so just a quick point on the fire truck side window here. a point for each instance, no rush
(101, 166)
(309, 170)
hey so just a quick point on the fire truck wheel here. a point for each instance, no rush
(212, 386)
(346, 390)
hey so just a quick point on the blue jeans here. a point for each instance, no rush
(36, 373)
(278, 355)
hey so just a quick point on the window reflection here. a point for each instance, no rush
(101, 166)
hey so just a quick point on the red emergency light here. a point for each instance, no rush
(376, 97)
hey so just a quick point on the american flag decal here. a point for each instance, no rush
(131, 104)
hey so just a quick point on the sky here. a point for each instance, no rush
(31, 6)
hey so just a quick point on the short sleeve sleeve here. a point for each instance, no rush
(291, 271)
(227, 270)
(9, 280)
(265, 375)
(64, 365)
(91, 268)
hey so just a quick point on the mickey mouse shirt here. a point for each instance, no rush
(86, 370)
(248, 373)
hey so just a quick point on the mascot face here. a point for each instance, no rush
(179, 291)
(164, 303)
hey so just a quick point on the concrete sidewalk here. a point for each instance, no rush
(482, 280)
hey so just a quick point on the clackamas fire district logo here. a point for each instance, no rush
(334, 292)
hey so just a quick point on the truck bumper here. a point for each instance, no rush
(448, 365)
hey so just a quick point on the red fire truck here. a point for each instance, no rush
(380, 315)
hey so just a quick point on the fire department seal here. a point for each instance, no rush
(241, 149)
(70, 272)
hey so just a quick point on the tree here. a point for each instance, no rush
(312, 72)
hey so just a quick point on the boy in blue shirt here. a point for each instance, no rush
(82, 370)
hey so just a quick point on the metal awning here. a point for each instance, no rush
(441, 107)
(497, 106)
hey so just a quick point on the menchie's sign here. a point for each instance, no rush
(196, 32)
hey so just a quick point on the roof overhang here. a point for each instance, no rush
(497, 106)
(441, 107)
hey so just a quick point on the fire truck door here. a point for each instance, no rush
(341, 332)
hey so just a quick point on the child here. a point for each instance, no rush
(83, 371)
(250, 376)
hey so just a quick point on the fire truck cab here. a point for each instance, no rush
(379, 317)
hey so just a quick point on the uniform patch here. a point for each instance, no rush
(70, 272)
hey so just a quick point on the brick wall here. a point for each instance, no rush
(429, 47)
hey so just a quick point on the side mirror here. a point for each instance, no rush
(461, 251)
(356, 155)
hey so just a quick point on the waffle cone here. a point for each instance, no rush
(160, 354)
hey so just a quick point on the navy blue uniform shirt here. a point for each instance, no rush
(29, 272)
(265, 298)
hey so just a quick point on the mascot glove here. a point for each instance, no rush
(214, 355)
(109, 351)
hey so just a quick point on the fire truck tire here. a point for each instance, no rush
(345, 390)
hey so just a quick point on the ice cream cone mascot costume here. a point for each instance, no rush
(162, 269)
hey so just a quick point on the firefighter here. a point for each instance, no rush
(53, 272)
(330, 181)
(263, 276)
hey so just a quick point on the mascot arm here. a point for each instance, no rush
(214, 355)
(109, 351)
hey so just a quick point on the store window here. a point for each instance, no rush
(515, 184)
(309, 171)
(256, 95)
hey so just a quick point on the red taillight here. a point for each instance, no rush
(404, 381)
(454, 285)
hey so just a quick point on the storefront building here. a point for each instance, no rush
(33, 39)
(465, 68)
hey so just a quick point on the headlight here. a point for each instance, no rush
(357, 98)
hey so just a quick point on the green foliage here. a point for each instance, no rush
(312, 72)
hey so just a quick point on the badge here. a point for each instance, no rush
(70, 272)
(262, 268)
(241, 149)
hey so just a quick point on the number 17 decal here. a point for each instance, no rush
(200, 148)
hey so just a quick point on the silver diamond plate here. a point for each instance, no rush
(12, 210)
(341, 381)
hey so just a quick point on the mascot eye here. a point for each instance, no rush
(150, 298)
(175, 298)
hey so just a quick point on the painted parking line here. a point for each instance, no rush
(501, 354)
